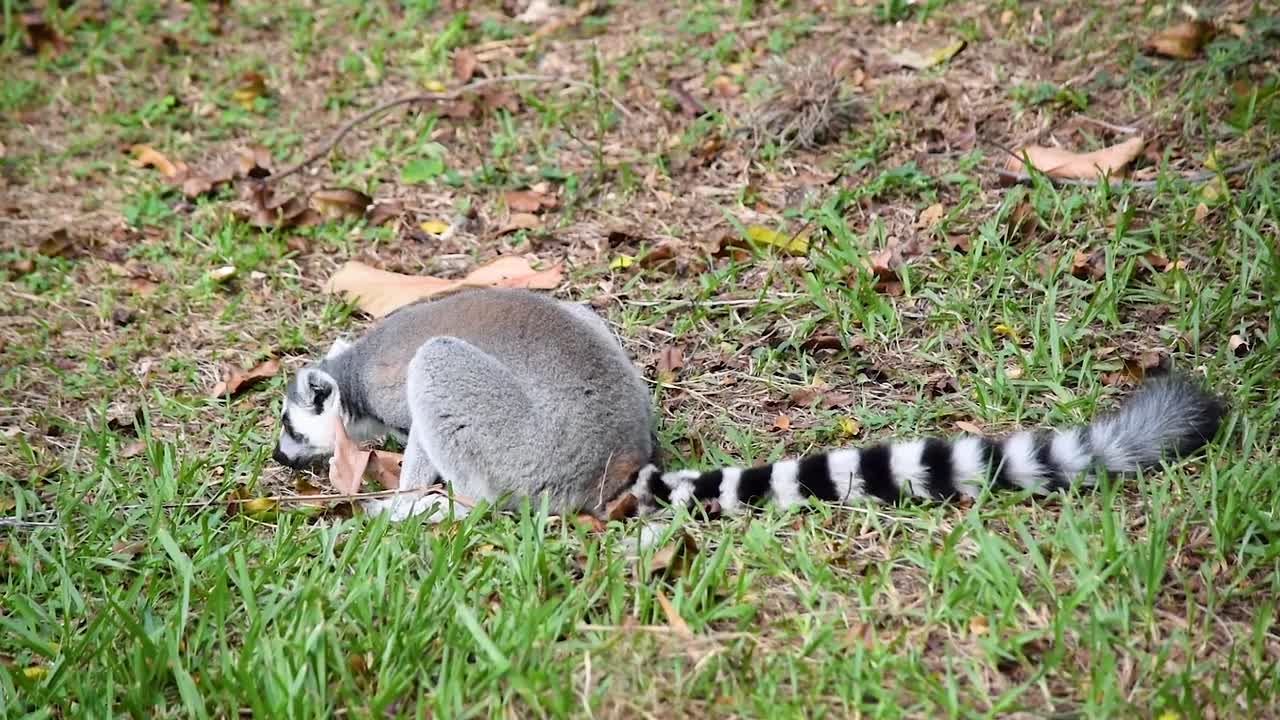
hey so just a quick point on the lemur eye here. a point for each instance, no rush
(319, 393)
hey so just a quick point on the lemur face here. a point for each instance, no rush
(311, 408)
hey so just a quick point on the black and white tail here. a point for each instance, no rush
(1167, 416)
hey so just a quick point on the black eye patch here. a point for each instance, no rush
(319, 393)
(290, 431)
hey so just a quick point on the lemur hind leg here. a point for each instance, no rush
(478, 426)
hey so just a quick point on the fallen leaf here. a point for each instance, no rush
(259, 508)
(337, 203)
(674, 621)
(1201, 212)
(133, 449)
(196, 185)
(927, 58)
(379, 214)
(520, 221)
(930, 216)
(128, 549)
(538, 12)
(464, 64)
(1089, 264)
(967, 427)
(1182, 41)
(591, 521)
(670, 359)
(848, 427)
(347, 466)
(236, 381)
(1021, 222)
(978, 625)
(222, 274)
(252, 86)
(147, 156)
(1238, 346)
(434, 227)
(622, 262)
(1058, 163)
(782, 423)
(661, 253)
(529, 201)
(35, 672)
(42, 37)
(378, 292)
(674, 560)
(621, 507)
(58, 243)
(385, 467)
(1005, 331)
(254, 162)
(797, 244)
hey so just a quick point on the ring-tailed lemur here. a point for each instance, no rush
(507, 394)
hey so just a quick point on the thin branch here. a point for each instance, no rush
(1122, 129)
(16, 523)
(454, 94)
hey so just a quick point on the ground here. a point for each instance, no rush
(929, 297)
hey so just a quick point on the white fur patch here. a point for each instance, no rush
(1020, 461)
(906, 468)
(969, 465)
(729, 503)
(842, 466)
(786, 488)
(1068, 453)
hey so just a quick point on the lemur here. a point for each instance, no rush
(508, 394)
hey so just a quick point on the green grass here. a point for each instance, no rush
(126, 588)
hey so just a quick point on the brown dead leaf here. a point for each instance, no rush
(1021, 222)
(42, 38)
(133, 449)
(378, 292)
(967, 427)
(529, 201)
(128, 549)
(1058, 163)
(674, 560)
(464, 64)
(236, 381)
(674, 621)
(58, 243)
(379, 214)
(1089, 264)
(147, 156)
(781, 423)
(338, 203)
(1182, 41)
(347, 466)
(592, 522)
(385, 468)
(621, 507)
(930, 216)
(670, 359)
(252, 86)
(520, 221)
(1238, 346)
(254, 162)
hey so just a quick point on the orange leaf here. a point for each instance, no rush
(378, 292)
(674, 621)
(237, 381)
(1064, 164)
(147, 156)
(346, 468)
(1181, 41)
(386, 468)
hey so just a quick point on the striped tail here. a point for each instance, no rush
(1168, 415)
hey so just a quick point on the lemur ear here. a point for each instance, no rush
(338, 347)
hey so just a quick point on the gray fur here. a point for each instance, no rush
(505, 394)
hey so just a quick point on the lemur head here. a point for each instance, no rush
(311, 407)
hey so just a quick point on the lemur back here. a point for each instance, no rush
(518, 390)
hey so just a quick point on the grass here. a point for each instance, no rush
(128, 589)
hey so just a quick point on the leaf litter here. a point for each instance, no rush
(379, 292)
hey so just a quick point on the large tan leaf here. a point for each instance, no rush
(1181, 41)
(1065, 164)
(346, 468)
(378, 292)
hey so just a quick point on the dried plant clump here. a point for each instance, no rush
(807, 106)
